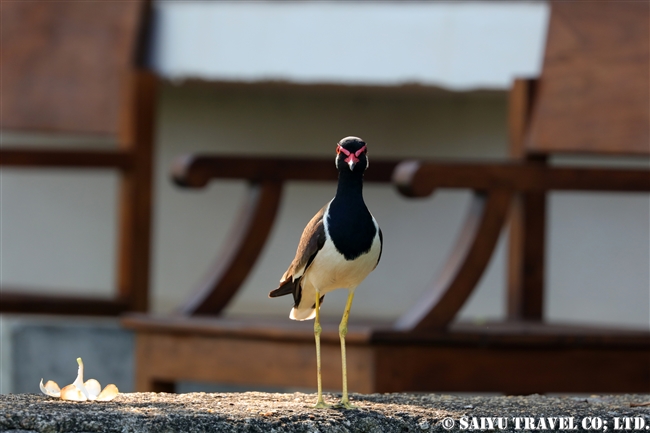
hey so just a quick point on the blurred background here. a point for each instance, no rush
(427, 80)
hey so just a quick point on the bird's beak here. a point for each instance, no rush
(351, 164)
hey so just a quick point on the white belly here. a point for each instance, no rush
(330, 270)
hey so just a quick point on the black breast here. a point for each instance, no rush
(350, 227)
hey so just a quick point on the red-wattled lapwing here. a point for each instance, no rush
(339, 247)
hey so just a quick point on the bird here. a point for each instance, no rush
(338, 248)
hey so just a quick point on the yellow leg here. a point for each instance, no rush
(320, 404)
(343, 331)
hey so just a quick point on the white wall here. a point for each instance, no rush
(461, 45)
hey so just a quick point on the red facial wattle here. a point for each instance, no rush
(352, 158)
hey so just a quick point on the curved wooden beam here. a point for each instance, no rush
(196, 170)
(240, 253)
(15, 300)
(404, 179)
(421, 178)
(469, 258)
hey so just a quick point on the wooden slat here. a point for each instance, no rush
(197, 170)
(421, 178)
(243, 247)
(12, 301)
(512, 334)
(593, 94)
(501, 334)
(514, 358)
(247, 328)
(63, 63)
(164, 359)
(466, 264)
(514, 370)
(66, 158)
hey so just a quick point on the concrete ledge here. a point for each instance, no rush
(262, 412)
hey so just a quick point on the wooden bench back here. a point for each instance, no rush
(64, 64)
(76, 67)
(592, 96)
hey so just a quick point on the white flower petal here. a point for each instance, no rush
(109, 393)
(72, 393)
(93, 387)
(79, 381)
(51, 388)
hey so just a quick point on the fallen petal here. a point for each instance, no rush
(72, 393)
(79, 381)
(51, 388)
(93, 387)
(109, 393)
(80, 390)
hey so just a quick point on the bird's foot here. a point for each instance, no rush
(322, 405)
(345, 405)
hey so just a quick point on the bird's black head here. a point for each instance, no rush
(352, 154)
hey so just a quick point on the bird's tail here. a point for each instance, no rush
(302, 309)
(286, 287)
(305, 308)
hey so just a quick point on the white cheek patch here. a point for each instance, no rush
(326, 217)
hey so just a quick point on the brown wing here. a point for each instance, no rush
(311, 241)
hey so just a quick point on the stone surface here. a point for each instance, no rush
(263, 412)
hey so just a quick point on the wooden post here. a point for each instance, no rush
(136, 191)
(525, 299)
